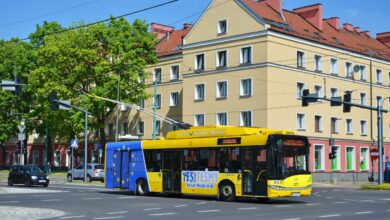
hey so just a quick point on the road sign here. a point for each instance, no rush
(74, 143)
(374, 153)
(21, 128)
(9, 84)
(21, 136)
(62, 107)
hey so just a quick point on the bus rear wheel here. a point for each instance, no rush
(142, 187)
(226, 192)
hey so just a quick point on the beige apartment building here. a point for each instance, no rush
(246, 62)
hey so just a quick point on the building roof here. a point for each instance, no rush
(169, 45)
(300, 27)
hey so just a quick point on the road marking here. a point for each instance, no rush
(151, 209)
(205, 211)
(113, 217)
(247, 208)
(282, 206)
(311, 204)
(42, 195)
(350, 200)
(328, 197)
(114, 213)
(292, 219)
(328, 216)
(340, 202)
(386, 199)
(77, 216)
(177, 206)
(127, 197)
(9, 201)
(366, 201)
(201, 203)
(362, 213)
(161, 214)
(9, 196)
(51, 200)
(91, 198)
(388, 210)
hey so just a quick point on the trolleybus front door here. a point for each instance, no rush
(172, 171)
(121, 169)
(254, 173)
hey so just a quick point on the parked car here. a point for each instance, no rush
(95, 171)
(28, 175)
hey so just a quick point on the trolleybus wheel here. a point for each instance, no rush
(142, 187)
(226, 192)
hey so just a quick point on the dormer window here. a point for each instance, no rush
(222, 26)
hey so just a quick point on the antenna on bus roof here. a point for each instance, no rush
(181, 125)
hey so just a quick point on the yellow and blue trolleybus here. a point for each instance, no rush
(222, 161)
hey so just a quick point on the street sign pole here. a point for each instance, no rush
(380, 143)
(85, 145)
(71, 162)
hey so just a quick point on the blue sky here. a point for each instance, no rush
(18, 18)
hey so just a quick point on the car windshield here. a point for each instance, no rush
(100, 166)
(33, 170)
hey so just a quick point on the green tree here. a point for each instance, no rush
(91, 60)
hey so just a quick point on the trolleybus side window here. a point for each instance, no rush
(229, 160)
(190, 159)
(207, 159)
(153, 160)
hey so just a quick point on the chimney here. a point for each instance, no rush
(275, 4)
(356, 29)
(161, 30)
(367, 33)
(384, 38)
(348, 27)
(187, 25)
(334, 22)
(312, 14)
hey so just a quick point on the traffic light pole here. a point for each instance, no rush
(380, 143)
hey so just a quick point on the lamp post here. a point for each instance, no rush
(380, 139)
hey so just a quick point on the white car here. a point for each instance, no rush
(95, 171)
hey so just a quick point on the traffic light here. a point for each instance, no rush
(332, 155)
(54, 105)
(305, 94)
(348, 99)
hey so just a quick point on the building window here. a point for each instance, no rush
(363, 128)
(157, 75)
(318, 63)
(140, 128)
(199, 91)
(363, 74)
(174, 100)
(125, 128)
(388, 79)
(300, 88)
(175, 72)
(222, 26)
(57, 158)
(246, 55)
(334, 125)
(318, 91)
(351, 158)
(379, 78)
(142, 103)
(157, 101)
(349, 126)
(246, 87)
(319, 157)
(246, 119)
(222, 58)
(318, 123)
(336, 162)
(363, 99)
(379, 100)
(221, 89)
(348, 70)
(364, 159)
(199, 120)
(199, 62)
(334, 67)
(35, 157)
(158, 127)
(110, 129)
(301, 59)
(334, 92)
(222, 118)
(301, 121)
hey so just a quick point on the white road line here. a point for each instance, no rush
(205, 211)
(9, 201)
(350, 200)
(201, 203)
(292, 219)
(77, 216)
(388, 210)
(91, 198)
(362, 213)
(312, 204)
(340, 202)
(282, 206)
(247, 208)
(386, 199)
(366, 200)
(127, 197)
(52, 200)
(161, 214)
(328, 216)
(177, 206)
(328, 197)
(42, 195)
(151, 209)
(113, 217)
(9, 196)
(114, 213)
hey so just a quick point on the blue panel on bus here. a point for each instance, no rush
(124, 171)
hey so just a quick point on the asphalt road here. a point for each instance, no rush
(70, 201)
